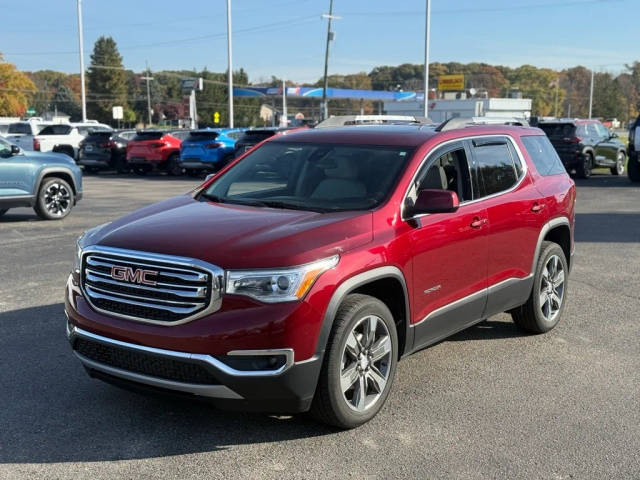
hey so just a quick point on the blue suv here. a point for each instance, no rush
(51, 183)
(208, 149)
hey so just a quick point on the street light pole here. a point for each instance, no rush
(230, 66)
(148, 78)
(81, 46)
(591, 94)
(325, 111)
(426, 59)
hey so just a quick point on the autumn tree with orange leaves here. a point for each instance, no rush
(15, 90)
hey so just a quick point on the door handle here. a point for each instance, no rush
(537, 207)
(478, 222)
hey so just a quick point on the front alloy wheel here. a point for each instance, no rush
(359, 364)
(619, 168)
(366, 362)
(55, 199)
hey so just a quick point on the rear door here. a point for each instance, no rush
(515, 215)
(449, 250)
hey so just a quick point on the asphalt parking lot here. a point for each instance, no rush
(489, 402)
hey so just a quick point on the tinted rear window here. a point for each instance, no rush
(56, 130)
(20, 128)
(558, 129)
(148, 136)
(255, 137)
(544, 156)
(496, 166)
(197, 136)
(99, 135)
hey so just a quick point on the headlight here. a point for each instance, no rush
(278, 285)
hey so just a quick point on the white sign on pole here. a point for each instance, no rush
(118, 113)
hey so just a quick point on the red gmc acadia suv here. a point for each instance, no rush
(298, 276)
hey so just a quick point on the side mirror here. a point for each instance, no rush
(434, 201)
(15, 150)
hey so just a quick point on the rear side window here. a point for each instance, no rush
(141, 136)
(56, 130)
(543, 154)
(496, 167)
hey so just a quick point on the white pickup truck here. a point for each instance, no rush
(22, 133)
(58, 137)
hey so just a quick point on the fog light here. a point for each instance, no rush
(249, 363)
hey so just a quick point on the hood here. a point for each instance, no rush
(235, 236)
(50, 158)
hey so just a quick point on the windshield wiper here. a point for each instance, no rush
(292, 206)
(212, 198)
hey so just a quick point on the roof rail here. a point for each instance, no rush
(344, 120)
(463, 122)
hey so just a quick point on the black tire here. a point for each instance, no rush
(192, 172)
(583, 170)
(121, 164)
(140, 170)
(532, 316)
(620, 163)
(92, 170)
(55, 199)
(173, 165)
(633, 168)
(3, 211)
(330, 404)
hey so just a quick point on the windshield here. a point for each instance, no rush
(316, 177)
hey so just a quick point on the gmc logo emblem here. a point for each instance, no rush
(128, 274)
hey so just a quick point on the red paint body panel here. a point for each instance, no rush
(145, 149)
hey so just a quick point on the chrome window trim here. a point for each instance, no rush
(428, 157)
(471, 297)
(217, 277)
(205, 359)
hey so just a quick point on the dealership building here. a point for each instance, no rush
(444, 109)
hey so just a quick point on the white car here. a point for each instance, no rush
(65, 137)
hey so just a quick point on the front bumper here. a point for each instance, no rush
(179, 360)
(289, 388)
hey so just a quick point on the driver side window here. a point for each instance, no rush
(449, 171)
(5, 149)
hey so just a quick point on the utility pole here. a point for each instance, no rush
(81, 46)
(426, 59)
(557, 87)
(148, 78)
(285, 120)
(325, 110)
(591, 94)
(230, 66)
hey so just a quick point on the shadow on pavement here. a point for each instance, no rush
(53, 412)
(488, 330)
(607, 227)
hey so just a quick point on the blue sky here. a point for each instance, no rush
(286, 38)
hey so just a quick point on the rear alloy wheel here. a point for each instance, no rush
(360, 363)
(633, 168)
(620, 161)
(55, 199)
(173, 165)
(584, 168)
(546, 303)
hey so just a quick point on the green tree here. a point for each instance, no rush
(608, 100)
(16, 90)
(64, 101)
(107, 80)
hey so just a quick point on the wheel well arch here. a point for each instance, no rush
(389, 291)
(561, 235)
(66, 176)
(388, 285)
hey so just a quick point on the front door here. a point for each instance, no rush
(449, 251)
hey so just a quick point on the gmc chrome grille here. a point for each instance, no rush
(149, 287)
